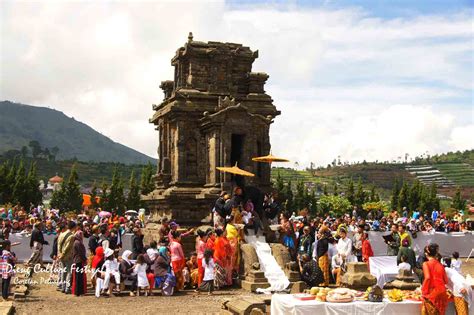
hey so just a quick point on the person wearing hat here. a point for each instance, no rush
(111, 271)
(7, 263)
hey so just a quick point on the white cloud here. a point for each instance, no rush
(347, 83)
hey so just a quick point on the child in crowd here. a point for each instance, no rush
(7, 263)
(140, 270)
(111, 267)
(456, 262)
(404, 265)
(208, 280)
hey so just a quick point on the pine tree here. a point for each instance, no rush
(373, 194)
(403, 196)
(360, 195)
(325, 190)
(395, 193)
(3, 182)
(133, 198)
(116, 197)
(94, 203)
(458, 202)
(414, 196)
(73, 196)
(20, 193)
(289, 196)
(350, 194)
(104, 199)
(58, 200)
(313, 202)
(299, 197)
(434, 200)
(32, 185)
(146, 183)
(334, 189)
(280, 184)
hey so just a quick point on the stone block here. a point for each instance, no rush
(358, 277)
(297, 287)
(245, 305)
(6, 308)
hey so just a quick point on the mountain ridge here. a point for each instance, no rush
(22, 123)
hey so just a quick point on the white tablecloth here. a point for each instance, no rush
(286, 304)
(384, 268)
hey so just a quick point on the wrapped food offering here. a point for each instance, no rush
(374, 294)
(340, 295)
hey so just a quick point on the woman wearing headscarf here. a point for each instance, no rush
(79, 277)
(126, 271)
(162, 269)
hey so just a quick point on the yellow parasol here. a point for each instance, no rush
(269, 159)
(235, 170)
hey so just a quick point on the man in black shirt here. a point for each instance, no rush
(310, 271)
(36, 243)
(94, 240)
(137, 243)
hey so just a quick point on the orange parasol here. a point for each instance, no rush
(269, 159)
(235, 170)
(86, 200)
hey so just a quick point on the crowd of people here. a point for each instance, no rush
(322, 246)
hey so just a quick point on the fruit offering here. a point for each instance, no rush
(395, 295)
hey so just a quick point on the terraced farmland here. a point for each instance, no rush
(461, 174)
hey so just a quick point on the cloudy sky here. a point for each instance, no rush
(358, 79)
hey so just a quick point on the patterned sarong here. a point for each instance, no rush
(323, 263)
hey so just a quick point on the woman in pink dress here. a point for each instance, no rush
(200, 249)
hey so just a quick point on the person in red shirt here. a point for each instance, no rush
(366, 249)
(435, 298)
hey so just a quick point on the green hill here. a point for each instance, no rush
(20, 124)
(88, 172)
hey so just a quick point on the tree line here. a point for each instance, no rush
(107, 196)
(19, 186)
(319, 201)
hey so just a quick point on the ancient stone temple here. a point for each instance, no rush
(215, 112)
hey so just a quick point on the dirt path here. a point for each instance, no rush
(44, 299)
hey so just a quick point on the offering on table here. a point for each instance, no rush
(374, 294)
(395, 295)
(412, 295)
(303, 296)
(340, 295)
